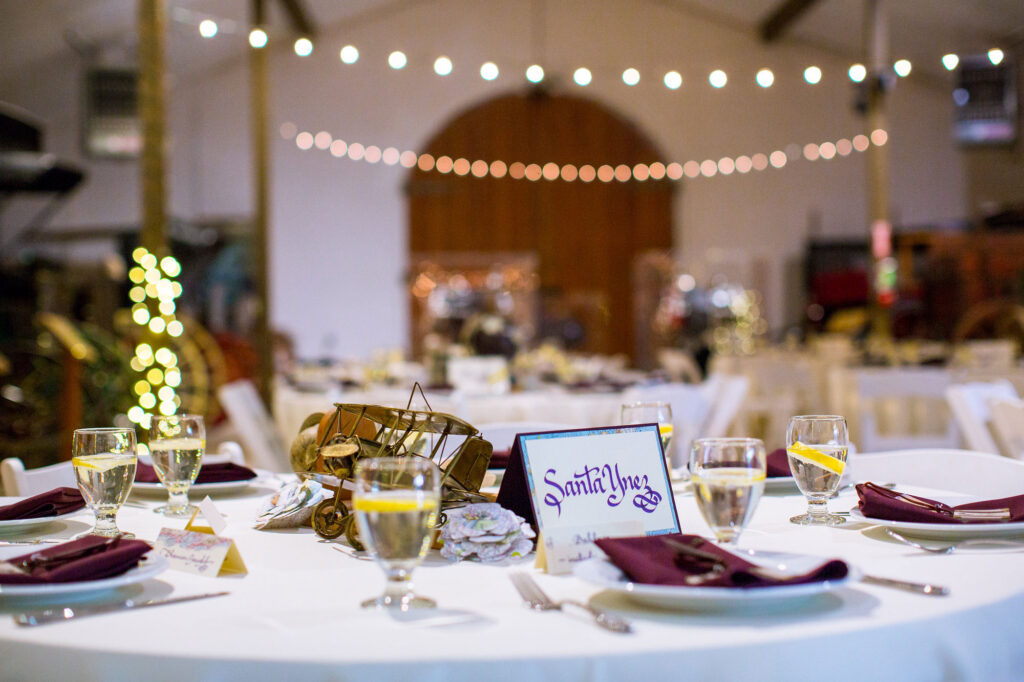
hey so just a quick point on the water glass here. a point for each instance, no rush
(728, 477)
(659, 413)
(104, 462)
(816, 447)
(396, 504)
(176, 446)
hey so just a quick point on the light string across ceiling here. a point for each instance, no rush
(518, 170)
(210, 27)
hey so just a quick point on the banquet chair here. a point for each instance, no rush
(964, 471)
(969, 404)
(21, 482)
(903, 408)
(264, 447)
(691, 404)
(502, 435)
(1008, 426)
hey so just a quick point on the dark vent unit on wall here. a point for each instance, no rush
(111, 127)
(985, 96)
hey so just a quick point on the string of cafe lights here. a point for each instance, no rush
(153, 293)
(517, 170)
(210, 27)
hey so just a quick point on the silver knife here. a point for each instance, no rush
(919, 588)
(31, 618)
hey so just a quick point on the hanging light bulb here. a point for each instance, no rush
(303, 47)
(258, 38)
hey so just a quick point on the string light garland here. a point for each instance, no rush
(641, 172)
(209, 27)
(153, 294)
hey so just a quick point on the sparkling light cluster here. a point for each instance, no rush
(154, 290)
(517, 170)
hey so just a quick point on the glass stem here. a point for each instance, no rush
(817, 507)
(177, 500)
(106, 521)
(398, 587)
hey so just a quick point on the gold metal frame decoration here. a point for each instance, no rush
(355, 431)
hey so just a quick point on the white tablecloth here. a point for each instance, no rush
(296, 616)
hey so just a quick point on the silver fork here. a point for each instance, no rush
(536, 599)
(949, 549)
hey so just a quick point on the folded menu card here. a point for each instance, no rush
(666, 560)
(892, 505)
(219, 472)
(90, 558)
(52, 503)
(778, 464)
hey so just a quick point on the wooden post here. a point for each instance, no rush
(876, 36)
(152, 30)
(258, 87)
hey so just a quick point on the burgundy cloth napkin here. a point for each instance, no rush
(647, 559)
(53, 503)
(778, 464)
(103, 563)
(220, 472)
(881, 503)
(499, 459)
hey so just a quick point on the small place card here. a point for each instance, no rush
(567, 546)
(199, 548)
(580, 485)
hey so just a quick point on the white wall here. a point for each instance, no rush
(339, 227)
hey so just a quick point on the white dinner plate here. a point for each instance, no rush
(204, 488)
(150, 565)
(22, 525)
(943, 531)
(604, 573)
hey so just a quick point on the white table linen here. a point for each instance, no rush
(296, 616)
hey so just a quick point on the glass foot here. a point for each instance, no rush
(92, 531)
(830, 520)
(177, 512)
(402, 603)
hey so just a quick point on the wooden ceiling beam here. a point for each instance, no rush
(299, 17)
(784, 15)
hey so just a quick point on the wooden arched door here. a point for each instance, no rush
(584, 234)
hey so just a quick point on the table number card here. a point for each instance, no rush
(577, 486)
(199, 548)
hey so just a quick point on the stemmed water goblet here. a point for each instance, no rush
(728, 476)
(176, 446)
(648, 412)
(816, 448)
(104, 461)
(396, 504)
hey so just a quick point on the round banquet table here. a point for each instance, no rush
(296, 616)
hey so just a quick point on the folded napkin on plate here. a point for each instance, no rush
(499, 459)
(90, 558)
(892, 505)
(53, 503)
(220, 472)
(778, 464)
(650, 560)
